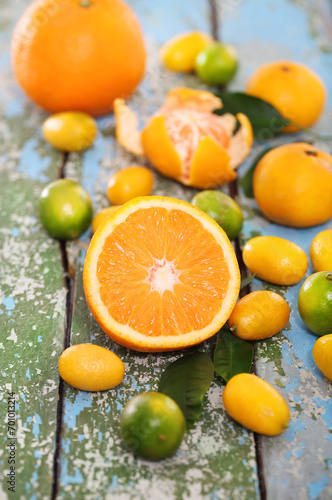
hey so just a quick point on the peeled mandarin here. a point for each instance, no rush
(90, 367)
(259, 315)
(100, 216)
(275, 260)
(321, 251)
(322, 354)
(255, 404)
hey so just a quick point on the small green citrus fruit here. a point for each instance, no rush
(65, 209)
(217, 64)
(315, 302)
(152, 425)
(222, 208)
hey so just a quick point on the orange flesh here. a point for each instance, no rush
(176, 273)
(186, 127)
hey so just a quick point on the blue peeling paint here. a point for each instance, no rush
(31, 163)
(67, 479)
(73, 409)
(315, 489)
(36, 425)
(9, 303)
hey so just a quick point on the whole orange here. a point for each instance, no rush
(78, 55)
(293, 185)
(292, 88)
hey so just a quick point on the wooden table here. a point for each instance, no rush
(67, 441)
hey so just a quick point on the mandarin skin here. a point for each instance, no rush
(259, 315)
(91, 367)
(255, 404)
(322, 354)
(275, 260)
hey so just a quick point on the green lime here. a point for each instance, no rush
(315, 302)
(217, 64)
(65, 209)
(223, 209)
(152, 425)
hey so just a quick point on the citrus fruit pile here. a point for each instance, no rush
(214, 63)
(161, 274)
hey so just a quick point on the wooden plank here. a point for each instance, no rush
(32, 293)
(298, 463)
(217, 458)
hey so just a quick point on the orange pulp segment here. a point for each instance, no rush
(160, 275)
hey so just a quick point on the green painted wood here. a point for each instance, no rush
(296, 464)
(32, 293)
(216, 459)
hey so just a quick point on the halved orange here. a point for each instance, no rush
(160, 275)
(184, 140)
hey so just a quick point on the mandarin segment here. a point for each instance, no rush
(180, 289)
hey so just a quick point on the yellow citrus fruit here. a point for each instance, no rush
(259, 315)
(100, 216)
(91, 367)
(152, 425)
(70, 131)
(78, 55)
(160, 274)
(256, 404)
(179, 53)
(293, 184)
(321, 251)
(185, 140)
(322, 354)
(275, 259)
(315, 302)
(129, 183)
(292, 88)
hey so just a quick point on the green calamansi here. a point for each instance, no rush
(65, 209)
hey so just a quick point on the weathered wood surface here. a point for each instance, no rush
(32, 291)
(218, 457)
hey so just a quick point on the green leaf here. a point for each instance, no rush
(266, 121)
(186, 380)
(247, 280)
(246, 180)
(232, 355)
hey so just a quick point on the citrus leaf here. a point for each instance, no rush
(186, 380)
(246, 180)
(265, 120)
(247, 280)
(232, 355)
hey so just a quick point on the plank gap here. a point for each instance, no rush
(69, 278)
(61, 174)
(215, 20)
